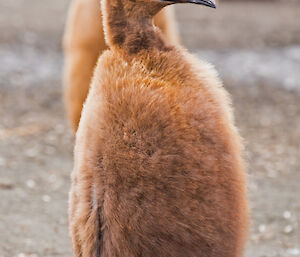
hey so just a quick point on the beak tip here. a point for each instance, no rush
(211, 4)
(208, 3)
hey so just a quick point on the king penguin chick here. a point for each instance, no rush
(158, 168)
(84, 42)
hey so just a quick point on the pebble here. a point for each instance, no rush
(30, 183)
(293, 251)
(6, 184)
(46, 198)
(262, 228)
(287, 215)
(288, 229)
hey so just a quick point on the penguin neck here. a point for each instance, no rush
(129, 26)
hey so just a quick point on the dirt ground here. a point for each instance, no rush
(36, 143)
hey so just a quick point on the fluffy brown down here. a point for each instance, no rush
(83, 43)
(158, 168)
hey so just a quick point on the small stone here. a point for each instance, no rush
(287, 215)
(30, 183)
(293, 251)
(262, 228)
(288, 229)
(6, 184)
(46, 198)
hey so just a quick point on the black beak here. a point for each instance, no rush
(208, 3)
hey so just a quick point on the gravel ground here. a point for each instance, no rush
(36, 143)
(277, 66)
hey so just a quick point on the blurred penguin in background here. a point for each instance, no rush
(84, 42)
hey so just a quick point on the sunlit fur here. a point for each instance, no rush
(158, 168)
(83, 42)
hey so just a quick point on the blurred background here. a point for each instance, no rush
(255, 45)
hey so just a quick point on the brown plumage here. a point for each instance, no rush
(158, 168)
(83, 43)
